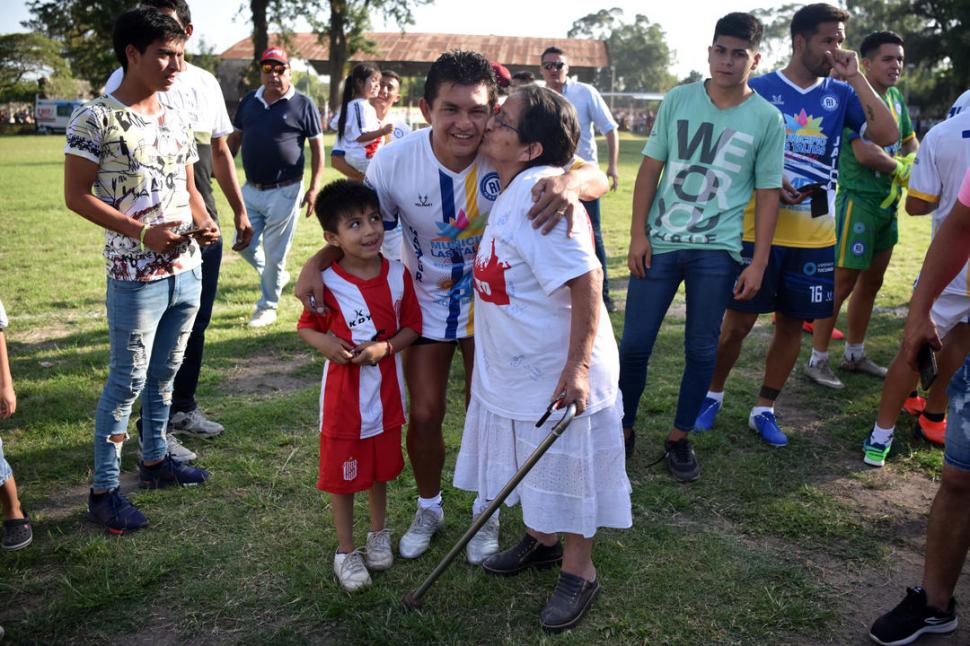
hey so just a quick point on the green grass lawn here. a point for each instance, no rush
(799, 545)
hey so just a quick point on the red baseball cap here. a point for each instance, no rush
(502, 75)
(274, 54)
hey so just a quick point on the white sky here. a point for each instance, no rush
(689, 24)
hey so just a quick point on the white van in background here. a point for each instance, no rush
(52, 115)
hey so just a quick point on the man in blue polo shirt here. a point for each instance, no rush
(271, 124)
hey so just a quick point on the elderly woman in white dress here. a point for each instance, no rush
(542, 334)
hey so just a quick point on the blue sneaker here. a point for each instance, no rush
(115, 513)
(874, 453)
(768, 429)
(168, 472)
(705, 418)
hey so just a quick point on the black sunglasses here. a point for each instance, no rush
(558, 65)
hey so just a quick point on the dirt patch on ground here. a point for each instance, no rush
(260, 375)
(75, 499)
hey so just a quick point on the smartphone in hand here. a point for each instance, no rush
(926, 362)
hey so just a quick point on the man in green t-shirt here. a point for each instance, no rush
(870, 183)
(714, 144)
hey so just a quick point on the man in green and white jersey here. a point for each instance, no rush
(870, 182)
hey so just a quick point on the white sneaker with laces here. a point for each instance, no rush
(350, 571)
(416, 540)
(262, 318)
(194, 423)
(177, 450)
(822, 374)
(484, 543)
(377, 554)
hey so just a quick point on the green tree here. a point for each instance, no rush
(83, 28)
(206, 58)
(339, 23)
(25, 59)
(639, 55)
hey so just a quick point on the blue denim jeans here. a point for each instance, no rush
(708, 277)
(5, 470)
(593, 210)
(956, 453)
(273, 214)
(149, 324)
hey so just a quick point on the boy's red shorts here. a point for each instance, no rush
(349, 466)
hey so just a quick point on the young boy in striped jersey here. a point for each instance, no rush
(372, 313)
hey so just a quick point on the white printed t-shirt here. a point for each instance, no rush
(523, 308)
(443, 215)
(941, 163)
(141, 173)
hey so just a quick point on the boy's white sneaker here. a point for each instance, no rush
(262, 318)
(485, 541)
(378, 555)
(416, 540)
(351, 571)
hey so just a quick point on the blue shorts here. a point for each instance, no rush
(956, 453)
(799, 283)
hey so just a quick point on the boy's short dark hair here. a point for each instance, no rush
(552, 50)
(461, 67)
(180, 7)
(341, 199)
(806, 20)
(391, 73)
(141, 27)
(875, 40)
(740, 25)
(550, 119)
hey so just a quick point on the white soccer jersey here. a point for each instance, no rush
(443, 215)
(361, 118)
(195, 93)
(962, 104)
(941, 163)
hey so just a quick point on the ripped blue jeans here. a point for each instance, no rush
(149, 325)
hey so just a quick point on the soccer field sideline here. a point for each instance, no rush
(769, 547)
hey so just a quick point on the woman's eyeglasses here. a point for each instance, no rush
(502, 123)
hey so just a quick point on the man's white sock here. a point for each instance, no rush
(718, 397)
(818, 358)
(431, 503)
(881, 435)
(854, 351)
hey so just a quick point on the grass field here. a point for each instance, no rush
(800, 545)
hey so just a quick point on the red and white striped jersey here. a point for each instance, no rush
(360, 401)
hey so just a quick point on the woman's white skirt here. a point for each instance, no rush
(579, 485)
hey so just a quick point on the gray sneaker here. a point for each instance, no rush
(350, 571)
(194, 423)
(484, 543)
(865, 365)
(822, 375)
(174, 447)
(378, 555)
(416, 540)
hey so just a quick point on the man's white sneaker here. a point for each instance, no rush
(415, 541)
(350, 571)
(378, 555)
(865, 365)
(822, 374)
(484, 543)
(262, 318)
(174, 447)
(177, 450)
(194, 423)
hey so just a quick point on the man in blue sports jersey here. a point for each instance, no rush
(798, 282)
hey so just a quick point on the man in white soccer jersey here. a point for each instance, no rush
(439, 188)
